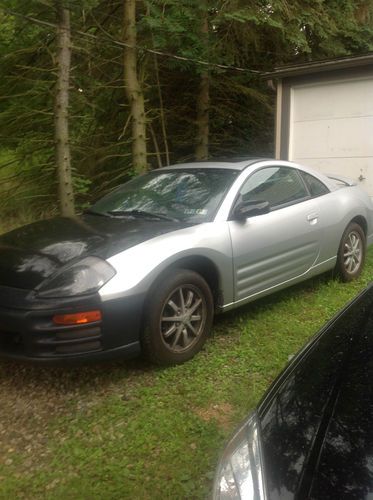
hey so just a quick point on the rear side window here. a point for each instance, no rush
(277, 185)
(316, 187)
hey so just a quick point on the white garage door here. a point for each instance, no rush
(331, 128)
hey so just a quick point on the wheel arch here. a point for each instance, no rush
(361, 221)
(201, 265)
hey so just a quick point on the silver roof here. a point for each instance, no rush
(233, 164)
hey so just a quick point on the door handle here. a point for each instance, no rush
(313, 217)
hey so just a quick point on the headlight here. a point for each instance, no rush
(85, 276)
(240, 472)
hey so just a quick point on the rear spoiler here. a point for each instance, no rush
(342, 180)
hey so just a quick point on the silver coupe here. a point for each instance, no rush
(148, 265)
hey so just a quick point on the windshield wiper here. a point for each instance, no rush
(93, 212)
(140, 213)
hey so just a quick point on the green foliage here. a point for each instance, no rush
(251, 34)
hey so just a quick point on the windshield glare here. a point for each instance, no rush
(192, 195)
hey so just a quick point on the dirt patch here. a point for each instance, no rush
(221, 413)
(32, 397)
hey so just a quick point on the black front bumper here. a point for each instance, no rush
(28, 332)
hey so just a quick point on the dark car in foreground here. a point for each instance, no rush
(146, 267)
(311, 436)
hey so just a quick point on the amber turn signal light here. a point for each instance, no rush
(80, 318)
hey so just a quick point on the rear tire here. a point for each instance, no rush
(179, 316)
(351, 253)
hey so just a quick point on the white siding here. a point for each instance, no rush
(331, 128)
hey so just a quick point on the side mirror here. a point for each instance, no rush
(247, 209)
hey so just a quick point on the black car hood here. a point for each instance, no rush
(32, 253)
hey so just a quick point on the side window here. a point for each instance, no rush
(277, 185)
(316, 187)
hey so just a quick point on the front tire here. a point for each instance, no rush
(351, 253)
(178, 318)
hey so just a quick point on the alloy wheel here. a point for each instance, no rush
(352, 252)
(183, 318)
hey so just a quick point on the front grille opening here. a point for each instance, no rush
(74, 341)
(78, 334)
(79, 348)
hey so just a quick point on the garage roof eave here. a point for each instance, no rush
(315, 67)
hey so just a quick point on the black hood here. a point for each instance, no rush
(32, 253)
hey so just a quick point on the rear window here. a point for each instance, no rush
(315, 186)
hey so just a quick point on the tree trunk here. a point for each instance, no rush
(203, 102)
(61, 112)
(162, 114)
(363, 12)
(133, 88)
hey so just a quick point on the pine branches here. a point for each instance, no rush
(173, 58)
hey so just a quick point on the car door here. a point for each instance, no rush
(279, 246)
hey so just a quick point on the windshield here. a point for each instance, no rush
(190, 195)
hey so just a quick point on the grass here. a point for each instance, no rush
(131, 430)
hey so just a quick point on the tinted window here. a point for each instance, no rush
(345, 466)
(316, 187)
(189, 195)
(277, 185)
(292, 418)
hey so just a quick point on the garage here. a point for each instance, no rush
(325, 116)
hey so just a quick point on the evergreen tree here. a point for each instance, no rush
(192, 105)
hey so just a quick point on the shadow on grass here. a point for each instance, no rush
(255, 308)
